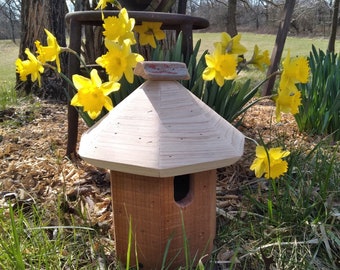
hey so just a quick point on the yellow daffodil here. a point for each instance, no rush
(32, 67)
(119, 29)
(149, 32)
(220, 66)
(287, 101)
(50, 52)
(103, 3)
(269, 162)
(259, 60)
(93, 94)
(119, 60)
(231, 45)
(294, 71)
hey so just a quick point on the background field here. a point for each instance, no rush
(8, 53)
(297, 45)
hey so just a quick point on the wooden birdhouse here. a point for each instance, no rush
(162, 145)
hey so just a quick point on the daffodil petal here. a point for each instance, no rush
(208, 74)
(95, 78)
(80, 81)
(278, 153)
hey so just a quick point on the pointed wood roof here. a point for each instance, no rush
(161, 130)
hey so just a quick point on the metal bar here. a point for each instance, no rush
(73, 68)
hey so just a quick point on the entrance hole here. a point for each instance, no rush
(181, 187)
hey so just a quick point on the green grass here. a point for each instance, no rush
(27, 241)
(297, 45)
(8, 54)
(8, 95)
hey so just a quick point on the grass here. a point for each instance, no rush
(8, 53)
(292, 223)
(8, 95)
(297, 45)
(27, 243)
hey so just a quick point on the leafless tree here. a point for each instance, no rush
(335, 20)
(9, 19)
(279, 45)
(36, 15)
(231, 18)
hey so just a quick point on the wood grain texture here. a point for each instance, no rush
(156, 218)
(162, 130)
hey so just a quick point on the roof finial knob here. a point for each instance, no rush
(162, 70)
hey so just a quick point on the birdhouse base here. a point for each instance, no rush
(164, 211)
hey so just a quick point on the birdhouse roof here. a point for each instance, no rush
(162, 130)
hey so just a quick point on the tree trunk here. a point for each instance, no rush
(332, 38)
(36, 15)
(81, 5)
(231, 18)
(279, 45)
(182, 7)
(32, 20)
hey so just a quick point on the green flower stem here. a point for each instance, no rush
(68, 50)
(270, 207)
(251, 139)
(117, 4)
(63, 76)
(272, 197)
(274, 186)
(128, 253)
(244, 109)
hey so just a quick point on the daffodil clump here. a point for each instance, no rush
(34, 66)
(295, 71)
(119, 59)
(93, 95)
(223, 64)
